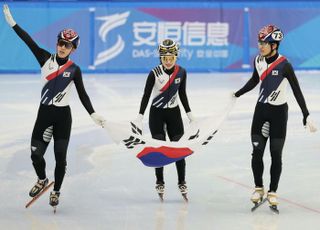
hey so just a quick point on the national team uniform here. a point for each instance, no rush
(54, 115)
(271, 113)
(165, 113)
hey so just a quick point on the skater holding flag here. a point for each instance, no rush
(167, 81)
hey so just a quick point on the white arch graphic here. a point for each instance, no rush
(111, 22)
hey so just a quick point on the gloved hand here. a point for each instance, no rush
(138, 120)
(235, 94)
(190, 117)
(98, 119)
(8, 16)
(309, 124)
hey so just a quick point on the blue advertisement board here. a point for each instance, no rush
(123, 37)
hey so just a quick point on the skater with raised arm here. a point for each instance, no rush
(54, 119)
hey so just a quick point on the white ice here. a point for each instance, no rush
(105, 187)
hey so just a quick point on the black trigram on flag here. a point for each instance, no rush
(135, 129)
(133, 141)
(194, 136)
(209, 138)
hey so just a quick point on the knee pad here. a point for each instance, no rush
(60, 151)
(258, 142)
(38, 149)
(276, 146)
(61, 145)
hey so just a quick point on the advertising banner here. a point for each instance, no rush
(125, 37)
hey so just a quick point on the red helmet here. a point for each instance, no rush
(271, 34)
(71, 36)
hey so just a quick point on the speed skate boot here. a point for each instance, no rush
(54, 198)
(273, 201)
(272, 198)
(160, 189)
(184, 190)
(38, 187)
(257, 195)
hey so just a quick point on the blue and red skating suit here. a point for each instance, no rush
(58, 81)
(271, 113)
(273, 84)
(165, 86)
(58, 75)
(54, 114)
(274, 73)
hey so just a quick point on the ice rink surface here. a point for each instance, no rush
(106, 187)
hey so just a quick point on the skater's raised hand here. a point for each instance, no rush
(8, 16)
(309, 124)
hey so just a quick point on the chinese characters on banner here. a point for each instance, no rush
(198, 39)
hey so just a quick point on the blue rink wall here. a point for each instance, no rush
(123, 36)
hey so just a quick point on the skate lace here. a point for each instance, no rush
(41, 184)
(272, 198)
(54, 197)
(38, 186)
(259, 192)
(256, 195)
(182, 187)
(160, 188)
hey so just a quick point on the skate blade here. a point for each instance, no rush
(39, 194)
(160, 196)
(274, 209)
(258, 204)
(184, 196)
(54, 209)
